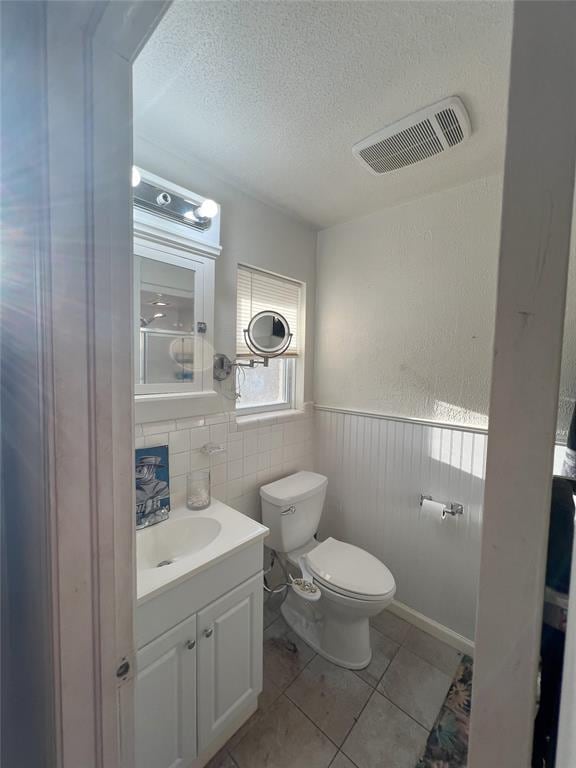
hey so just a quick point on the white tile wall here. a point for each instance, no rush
(258, 450)
(376, 471)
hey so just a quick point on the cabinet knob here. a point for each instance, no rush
(190, 644)
(208, 632)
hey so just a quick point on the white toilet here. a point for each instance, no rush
(352, 585)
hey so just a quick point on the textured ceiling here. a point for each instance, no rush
(272, 95)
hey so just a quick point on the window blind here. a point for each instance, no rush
(257, 292)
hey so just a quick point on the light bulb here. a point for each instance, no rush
(207, 210)
(136, 178)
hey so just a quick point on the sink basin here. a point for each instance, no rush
(170, 553)
(167, 543)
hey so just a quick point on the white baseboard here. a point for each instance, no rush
(433, 628)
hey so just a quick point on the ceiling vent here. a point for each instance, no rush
(422, 134)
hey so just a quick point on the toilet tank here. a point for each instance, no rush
(292, 508)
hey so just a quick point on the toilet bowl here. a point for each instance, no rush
(353, 585)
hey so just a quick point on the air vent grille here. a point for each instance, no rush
(404, 148)
(450, 126)
(417, 137)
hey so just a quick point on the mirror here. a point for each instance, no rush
(166, 318)
(268, 334)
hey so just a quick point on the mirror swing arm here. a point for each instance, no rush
(253, 363)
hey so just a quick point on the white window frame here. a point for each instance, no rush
(286, 405)
(295, 378)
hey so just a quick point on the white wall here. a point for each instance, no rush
(410, 292)
(377, 469)
(405, 307)
(252, 232)
(405, 319)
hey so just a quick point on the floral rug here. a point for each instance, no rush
(447, 745)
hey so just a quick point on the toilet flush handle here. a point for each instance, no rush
(289, 510)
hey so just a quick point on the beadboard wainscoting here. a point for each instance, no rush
(258, 450)
(377, 468)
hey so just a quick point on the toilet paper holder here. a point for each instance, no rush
(448, 508)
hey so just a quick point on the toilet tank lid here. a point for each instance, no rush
(293, 488)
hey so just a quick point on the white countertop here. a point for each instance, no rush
(237, 531)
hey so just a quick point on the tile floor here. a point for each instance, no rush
(313, 714)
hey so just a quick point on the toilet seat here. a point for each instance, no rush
(349, 571)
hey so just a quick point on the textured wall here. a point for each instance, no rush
(405, 310)
(405, 307)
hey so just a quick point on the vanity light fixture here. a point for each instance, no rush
(203, 212)
(170, 202)
(163, 199)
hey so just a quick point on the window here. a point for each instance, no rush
(272, 387)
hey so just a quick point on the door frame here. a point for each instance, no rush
(68, 582)
(73, 230)
(533, 269)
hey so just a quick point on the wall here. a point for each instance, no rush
(410, 294)
(258, 451)
(405, 317)
(252, 232)
(377, 469)
(427, 272)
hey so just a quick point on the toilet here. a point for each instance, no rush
(349, 584)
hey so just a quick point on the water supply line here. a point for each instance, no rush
(279, 587)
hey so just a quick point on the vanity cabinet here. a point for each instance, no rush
(196, 681)
(165, 705)
(229, 658)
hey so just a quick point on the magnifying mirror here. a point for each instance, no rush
(268, 334)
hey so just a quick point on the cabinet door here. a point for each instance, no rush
(172, 322)
(166, 699)
(229, 658)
